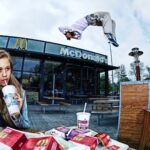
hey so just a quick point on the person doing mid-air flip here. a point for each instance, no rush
(95, 19)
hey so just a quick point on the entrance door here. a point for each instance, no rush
(53, 79)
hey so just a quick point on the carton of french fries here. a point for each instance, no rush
(11, 139)
(89, 141)
(41, 143)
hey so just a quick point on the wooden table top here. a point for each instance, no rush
(56, 98)
(106, 101)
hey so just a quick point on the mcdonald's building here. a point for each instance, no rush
(53, 69)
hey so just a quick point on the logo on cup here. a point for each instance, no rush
(83, 124)
(10, 99)
(83, 120)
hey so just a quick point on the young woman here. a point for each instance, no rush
(6, 76)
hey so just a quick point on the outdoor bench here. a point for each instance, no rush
(65, 105)
(101, 108)
(44, 104)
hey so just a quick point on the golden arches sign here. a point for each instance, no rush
(21, 43)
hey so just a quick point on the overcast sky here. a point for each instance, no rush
(40, 19)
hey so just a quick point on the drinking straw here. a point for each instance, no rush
(5, 82)
(85, 107)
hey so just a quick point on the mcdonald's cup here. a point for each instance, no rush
(83, 119)
(9, 97)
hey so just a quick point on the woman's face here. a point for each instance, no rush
(5, 71)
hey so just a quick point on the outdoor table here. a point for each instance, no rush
(32, 133)
(108, 101)
(79, 97)
(62, 141)
(96, 98)
(53, 99)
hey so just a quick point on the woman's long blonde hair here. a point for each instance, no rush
(13, 80)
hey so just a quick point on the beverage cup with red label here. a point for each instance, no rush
(83, 119)
(9, 97)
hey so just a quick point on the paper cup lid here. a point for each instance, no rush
(83, 113)
(8, 89)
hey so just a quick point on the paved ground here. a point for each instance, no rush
(53, 118)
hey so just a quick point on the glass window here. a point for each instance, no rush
(26, 44)
(88, 81)
(36, 46)
(102, 83)
(53, 48)
(3, 41)
(31, 81)
(18, 43)
(17, 74)
(73, 81)
(31, 65)
(12, 42)
(17, 63)
(85, 73)
(50, 66)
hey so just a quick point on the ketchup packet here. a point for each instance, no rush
(103, 138)
(112, 147)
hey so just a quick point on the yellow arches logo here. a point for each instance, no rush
(21, 43)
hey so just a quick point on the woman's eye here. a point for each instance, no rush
(7, 68)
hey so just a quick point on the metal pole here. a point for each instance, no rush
(111, 62)
(138, 77)
(53, 84)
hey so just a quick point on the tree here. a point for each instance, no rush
(147, 76)
(102, 84)
(121, 74)
(132, 71)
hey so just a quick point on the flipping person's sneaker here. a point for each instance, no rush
(112, 39)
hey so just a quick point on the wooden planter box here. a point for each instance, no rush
(134, 99)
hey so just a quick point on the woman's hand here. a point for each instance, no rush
(19, 100)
